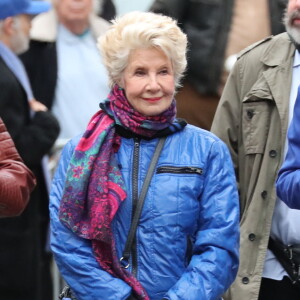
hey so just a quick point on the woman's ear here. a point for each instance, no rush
(121, 83)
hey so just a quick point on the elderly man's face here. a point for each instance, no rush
(292, 19)
(293, 4)
(73, 10)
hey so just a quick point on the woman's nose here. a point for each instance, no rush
(153, 84)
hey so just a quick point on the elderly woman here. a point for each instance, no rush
(144, 206)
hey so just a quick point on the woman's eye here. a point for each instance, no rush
(164, 72)
(139, 72)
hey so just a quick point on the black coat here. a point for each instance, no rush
(24, 263)
(108, 11)
(41, 65)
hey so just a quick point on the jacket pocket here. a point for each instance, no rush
(255, 123)
(189, 250)
(179, 170)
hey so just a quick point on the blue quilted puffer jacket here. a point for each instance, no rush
(187, 239)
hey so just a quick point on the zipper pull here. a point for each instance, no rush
(197, 170)
(136, 142)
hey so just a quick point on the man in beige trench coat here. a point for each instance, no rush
(252, 118)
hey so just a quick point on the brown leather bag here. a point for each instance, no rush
(16, 180)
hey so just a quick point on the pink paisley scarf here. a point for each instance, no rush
(94, 187)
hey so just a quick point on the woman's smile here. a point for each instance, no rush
(152, 99)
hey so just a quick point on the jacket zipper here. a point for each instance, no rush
(135, 197)
(179, 170)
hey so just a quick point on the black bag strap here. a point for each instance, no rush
(284, 255)
(131, 235)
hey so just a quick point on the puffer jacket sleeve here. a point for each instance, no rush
(288, 181)
(74, 255)
(214, 263)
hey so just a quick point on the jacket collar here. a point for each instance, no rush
(279, 57)
(272, 57)
(44, 26)
(275, 81)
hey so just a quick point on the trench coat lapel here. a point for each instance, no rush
(279, 79)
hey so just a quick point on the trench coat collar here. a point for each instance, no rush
(279, 58)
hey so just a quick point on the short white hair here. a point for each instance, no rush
(136, 30)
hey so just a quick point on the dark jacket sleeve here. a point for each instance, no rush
(37, 138)
(40, 62)
(108, 11)
(174, 8)
(33, 135)
(16, 180)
